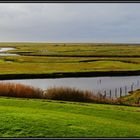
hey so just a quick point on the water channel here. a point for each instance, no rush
(4, 53)
(113, 85)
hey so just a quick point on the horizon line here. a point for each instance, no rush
(68, 42)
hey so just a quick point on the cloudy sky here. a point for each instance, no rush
(70, 22)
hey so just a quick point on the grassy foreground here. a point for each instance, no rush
(46, 118)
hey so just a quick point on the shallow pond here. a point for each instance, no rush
(109, 85)
(4, 53)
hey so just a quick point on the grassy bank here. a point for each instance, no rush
(133, 97)
(34, 66)
(46, 118)
(69, 60)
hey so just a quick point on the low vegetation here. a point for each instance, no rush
(52, 58)
(73, 94)
(75, 49)
(53, 93)
(77, 95)
(65, 94)
(20, 91)
(133, 98)
(68, 94)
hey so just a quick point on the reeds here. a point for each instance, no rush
(56, 93)
(67, 94)
(73, 94)
(19, 90)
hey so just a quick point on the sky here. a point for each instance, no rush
(70, 22)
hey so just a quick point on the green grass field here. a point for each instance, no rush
(46, 118)
(47, 58)
(71, 49)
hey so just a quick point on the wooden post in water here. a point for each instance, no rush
(110, 93)
(116, 92)
(120, 92)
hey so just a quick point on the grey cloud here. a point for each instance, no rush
(70, 22)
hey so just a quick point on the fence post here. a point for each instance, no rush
(116, 92)
(120, 92)
(110, 93)
(100, 81)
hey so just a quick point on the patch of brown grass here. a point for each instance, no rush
(19, 90)
(68, 94)
(58, 93)
(73, 94)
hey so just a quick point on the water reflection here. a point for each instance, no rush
(4, 53)
(117, 86)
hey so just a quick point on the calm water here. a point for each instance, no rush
(96, 84)
(3, 52)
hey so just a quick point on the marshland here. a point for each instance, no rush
(69, 70)
(49, 85)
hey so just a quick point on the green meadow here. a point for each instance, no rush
(46, 58)
(47, 118)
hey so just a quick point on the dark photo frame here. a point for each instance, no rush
(69, 69)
